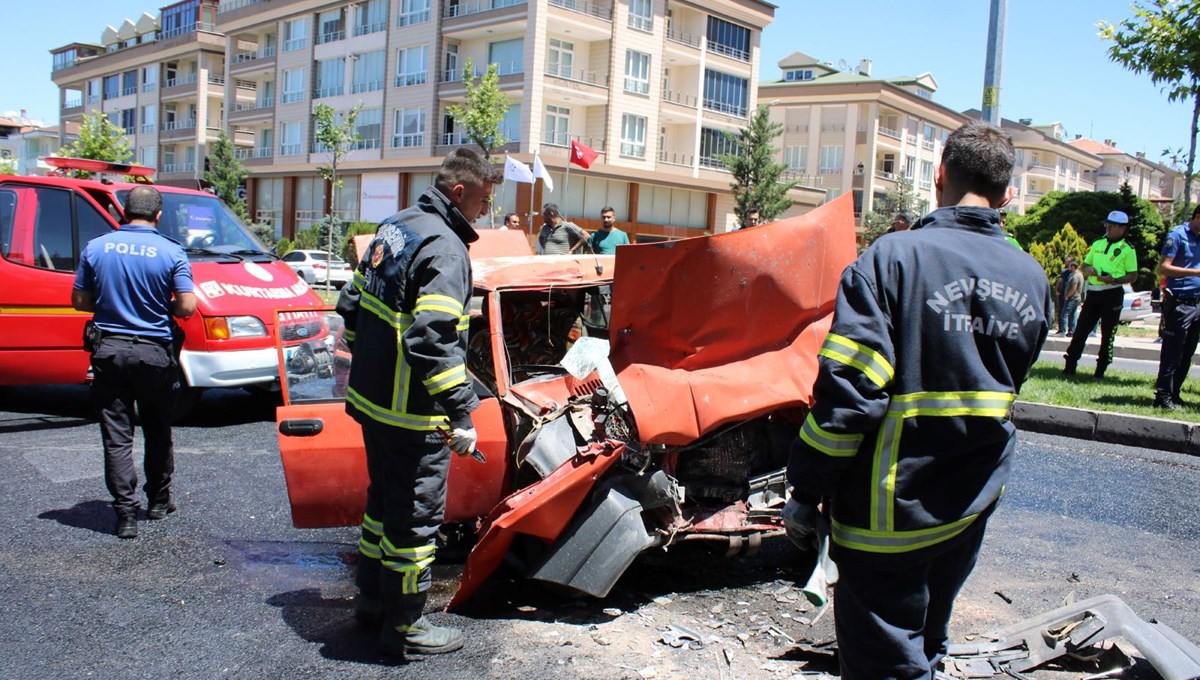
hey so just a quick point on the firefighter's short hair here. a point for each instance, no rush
(466, 166)
(978, 158)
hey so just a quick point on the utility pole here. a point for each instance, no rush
(993, 68)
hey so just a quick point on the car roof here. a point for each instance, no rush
(542, 271)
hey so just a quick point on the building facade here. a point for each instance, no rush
(857, 133)
(648, 84)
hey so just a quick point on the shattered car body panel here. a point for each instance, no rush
(634, 401)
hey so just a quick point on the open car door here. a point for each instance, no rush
(321, 446)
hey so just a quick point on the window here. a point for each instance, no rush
(112, 87)
(408, 128)
(57, 239)
(291, 138)
(797, 75)
(293, 86)
(412, 12)
(148, 156)
(129, 121)
(370, 17)
(510, 124)
(369, 72)
(713, 144)
(926, 174)
(411, 66)
(633, 135)
(266, 94)
(179, 19)
(331, 26)
(558, 125)
(507, 55)
(796, 157)
(725, 93)
(728, 39)
(295, 34)
(265, 144)
(331, 78)
(149, 78)
(369, 126)
(641, 15)
(831, 160)
(1020, 159)
(637, 72)
(149, 117)
(910, 167)
(561, 60)
(451, 69)
(129, 82)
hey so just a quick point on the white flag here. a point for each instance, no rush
(517, 171)
(539, 170)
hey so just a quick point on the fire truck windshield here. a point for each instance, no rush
(204, 223)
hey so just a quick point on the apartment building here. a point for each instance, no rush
(857, 133)
(25, 145)
(1045, 162)
(1149, 180)
(649, 84)
(160, 78)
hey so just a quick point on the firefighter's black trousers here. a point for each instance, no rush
(406, 501)
(126, 371)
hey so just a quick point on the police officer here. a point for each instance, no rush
(407, 317)
(1109, 264)
(1180, 265)
(127, 278)
(909, 441)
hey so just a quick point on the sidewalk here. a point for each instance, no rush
(1109, 426)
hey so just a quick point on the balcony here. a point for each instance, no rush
(591, 87)
(331, 36)
(677, 158)
(592, 9)
(149, 87)
(291, 149)
(728, 51)
(132, 89)
(686, 39)
(889, 132)
(1040, 170)
(504, 68)
(147, 128)
(230, 5)
(181, 86)
(72, 106)
(411, 79)
(735, 110)
(329, 91)
(367, 29)
(175, 129)
(291, 97)
(177, 168)
(467, 7)
(802, 178)
(368, 86)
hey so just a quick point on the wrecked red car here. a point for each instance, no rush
(629, 402)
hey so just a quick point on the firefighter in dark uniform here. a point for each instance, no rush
(1109, 264)
(127, 278)
(406, 319)
(909, 440)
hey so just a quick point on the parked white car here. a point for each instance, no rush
(1136, 305)
(315, 267)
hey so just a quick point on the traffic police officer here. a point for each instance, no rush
(909, 441)
(1180, 265)
(1109, 264)
(407, 317)
(127, 278)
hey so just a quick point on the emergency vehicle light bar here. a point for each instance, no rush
(89, 165)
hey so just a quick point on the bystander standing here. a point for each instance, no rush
(606, 239)
(511, 221)
(558, 236)
(1071, 293)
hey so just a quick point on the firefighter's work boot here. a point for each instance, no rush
(407, 631)
(420, 637)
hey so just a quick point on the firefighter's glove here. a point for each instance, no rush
(800, 522)
(462, 441)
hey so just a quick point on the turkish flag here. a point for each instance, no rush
(582, 155)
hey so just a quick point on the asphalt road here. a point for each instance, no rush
(226, 588)
(1087, 363)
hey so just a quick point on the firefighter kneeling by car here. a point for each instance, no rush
(908, 444)
(406, 315)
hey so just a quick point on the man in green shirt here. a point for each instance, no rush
(1109, 264)
(606, 239)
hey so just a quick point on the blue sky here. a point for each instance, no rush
(1055, 67)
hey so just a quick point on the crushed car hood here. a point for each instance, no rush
(734, 324)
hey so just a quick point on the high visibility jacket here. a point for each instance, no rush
(934, 331)
(406, 317)
(1112, 258)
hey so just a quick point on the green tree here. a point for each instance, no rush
(1051, 255)
(100, 140)
(284, 246)
(307, 239)
(8, 166)
(336, 135)
(757, 176)
(227, 174)
(900, 198)
(1086, 211)
(484, 110)
(1162, 39)
(353, 229)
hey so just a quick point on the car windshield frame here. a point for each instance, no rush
(204, 225)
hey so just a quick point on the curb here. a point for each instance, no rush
(1105, 426)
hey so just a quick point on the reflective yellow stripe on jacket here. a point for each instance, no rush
(882, 535)
(857, 355)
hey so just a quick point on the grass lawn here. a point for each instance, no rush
(1119, 391)
(1131, 331)
(330, 298)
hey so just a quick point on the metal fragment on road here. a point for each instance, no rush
(612, 611)
(1004, 597)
